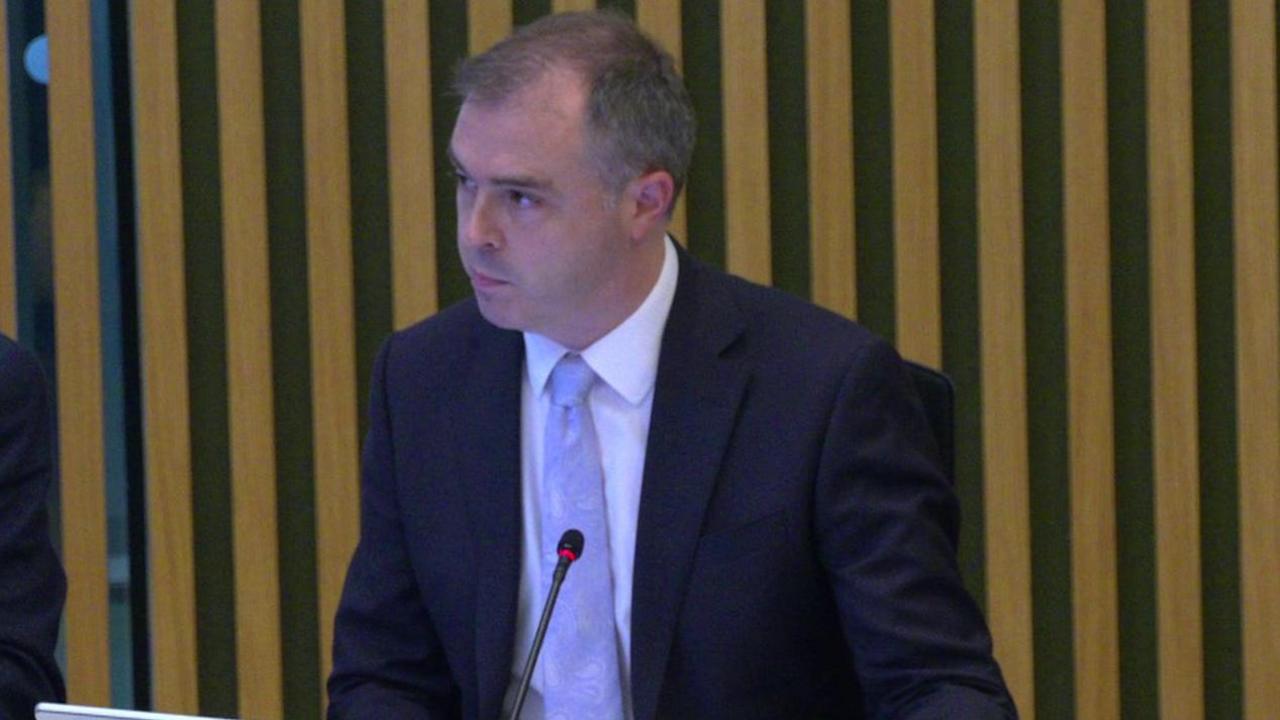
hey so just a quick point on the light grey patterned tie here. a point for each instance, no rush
(580, 660)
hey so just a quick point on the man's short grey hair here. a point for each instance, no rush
(639, 116)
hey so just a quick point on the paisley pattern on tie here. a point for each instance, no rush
(579, 664)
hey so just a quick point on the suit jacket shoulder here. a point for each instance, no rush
(32, 585)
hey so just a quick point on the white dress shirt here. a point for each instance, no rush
(626, 362)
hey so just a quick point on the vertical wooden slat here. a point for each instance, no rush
(409, 160)
(488, 21)
(329, 271)
(918, 298)
(1002, 317)
(165, 399)
(572, 5)
(829, 71)
(79, 337)
(1257, 252)
(746, 140)
(1173, 314)
(1089, 374)
(8, 278)
(661, 20)
(251, 412)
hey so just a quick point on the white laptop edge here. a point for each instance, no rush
(58, 711)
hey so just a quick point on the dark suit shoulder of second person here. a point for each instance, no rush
(32, 583)
(20, 376)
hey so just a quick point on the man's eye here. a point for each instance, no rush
(463, 181)
(522, 200)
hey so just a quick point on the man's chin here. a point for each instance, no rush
(498, 314)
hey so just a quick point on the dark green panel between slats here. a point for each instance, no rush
(700, 36)
(206, 341)
(524, 12)
(873, 166)
(132, 431)
(448, 47)
(1042, 176)
(1131, 352)
(291, 358)
(627, 7)
(958, 250)
(788, 153)
(1215, 330)
(370, 221)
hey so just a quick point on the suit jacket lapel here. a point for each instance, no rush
(488, 442)
(698, 390)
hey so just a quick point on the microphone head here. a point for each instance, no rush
(570, 546)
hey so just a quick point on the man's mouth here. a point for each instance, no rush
(481, 281)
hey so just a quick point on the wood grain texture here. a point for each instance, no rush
(1091, 440)
(1003, 345)
(165, 389)
(917, 279)
(1173, 330)
(661, 20)
(746, 140)
(829, 89)
(410, 165)
(1257, 300)
(251, 412)
(77, 311)
(488, 21)
(572, 5)
(8, 276)
(332, 301)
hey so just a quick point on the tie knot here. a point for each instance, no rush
(571, 378)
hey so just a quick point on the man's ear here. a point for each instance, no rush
(651, 195)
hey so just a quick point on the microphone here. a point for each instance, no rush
(569, 550)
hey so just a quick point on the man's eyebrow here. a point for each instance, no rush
(517, 181)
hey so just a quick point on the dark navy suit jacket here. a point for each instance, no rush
(795, 554)
(32, 585)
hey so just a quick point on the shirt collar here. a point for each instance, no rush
(626, 358)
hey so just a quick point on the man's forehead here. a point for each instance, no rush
(557, 95)
(529, 128)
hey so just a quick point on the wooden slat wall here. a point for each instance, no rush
(1257, 256)
(166, 402)
(409, 160)
(915, 182)
(8, 276)
(571, 5)
(1173, 359)
(488, 21)
(1004, 392)
(412, 37)
(661, 19)
(73, 186)
(246, 271)
(746, 132)
(1088, 297)
(830, 84)
(329, 250)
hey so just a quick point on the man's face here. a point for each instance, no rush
(545, 242)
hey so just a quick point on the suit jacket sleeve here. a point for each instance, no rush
(32, 584)
(886, 524)
(387, 658)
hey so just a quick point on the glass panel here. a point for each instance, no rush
(28, 101)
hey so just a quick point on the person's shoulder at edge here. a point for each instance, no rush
(20, 376)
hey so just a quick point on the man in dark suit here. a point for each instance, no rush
(32, 585)
(777, 539)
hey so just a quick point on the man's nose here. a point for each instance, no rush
(479, 228)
